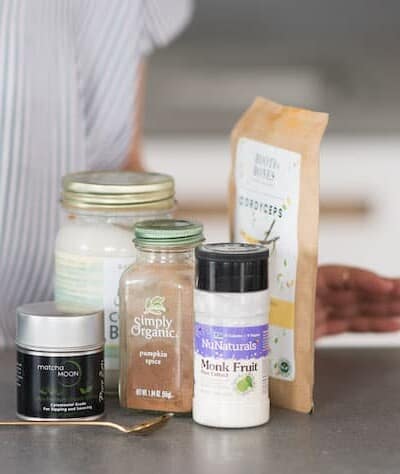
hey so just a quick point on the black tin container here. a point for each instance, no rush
(60, 364)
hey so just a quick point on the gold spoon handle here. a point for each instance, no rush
(143, 427)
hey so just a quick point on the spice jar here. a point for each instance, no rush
(94, 245)
(156, 307)
(60, 363)
(231, 336)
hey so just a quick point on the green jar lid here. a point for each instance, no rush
(168, 233)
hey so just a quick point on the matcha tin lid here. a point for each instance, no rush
(44, 326)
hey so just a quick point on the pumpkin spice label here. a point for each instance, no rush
(155, 336)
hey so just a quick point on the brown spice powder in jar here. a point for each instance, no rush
(156, 307)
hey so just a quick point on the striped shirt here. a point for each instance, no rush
(68, 71)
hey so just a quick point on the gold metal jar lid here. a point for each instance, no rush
(117, 190)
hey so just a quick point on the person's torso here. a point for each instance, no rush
(67, 73)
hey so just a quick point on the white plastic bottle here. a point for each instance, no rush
(231, 304)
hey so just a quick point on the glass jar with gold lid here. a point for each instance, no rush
(94, 244)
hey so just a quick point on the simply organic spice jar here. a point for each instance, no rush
(94, 245)
(156, 316)
(60, 363)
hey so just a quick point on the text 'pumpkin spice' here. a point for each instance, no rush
(274, 200)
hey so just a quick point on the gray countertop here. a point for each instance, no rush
(355, 428)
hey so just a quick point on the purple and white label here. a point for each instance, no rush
(226, 342)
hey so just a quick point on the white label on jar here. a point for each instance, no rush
(231, 362)
(113, 269)
(91, 283)
(78, 281)
(267, 204)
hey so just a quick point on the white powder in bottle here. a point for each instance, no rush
(231, 304)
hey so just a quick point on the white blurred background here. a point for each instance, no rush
(339, 57)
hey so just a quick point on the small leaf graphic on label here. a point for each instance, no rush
(155, 305)
(85, 391)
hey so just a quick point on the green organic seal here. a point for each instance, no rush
(284, 367)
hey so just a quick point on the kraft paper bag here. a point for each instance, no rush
(274, 200)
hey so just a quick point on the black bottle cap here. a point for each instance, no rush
(231, 268)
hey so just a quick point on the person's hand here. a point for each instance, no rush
(351, 299)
